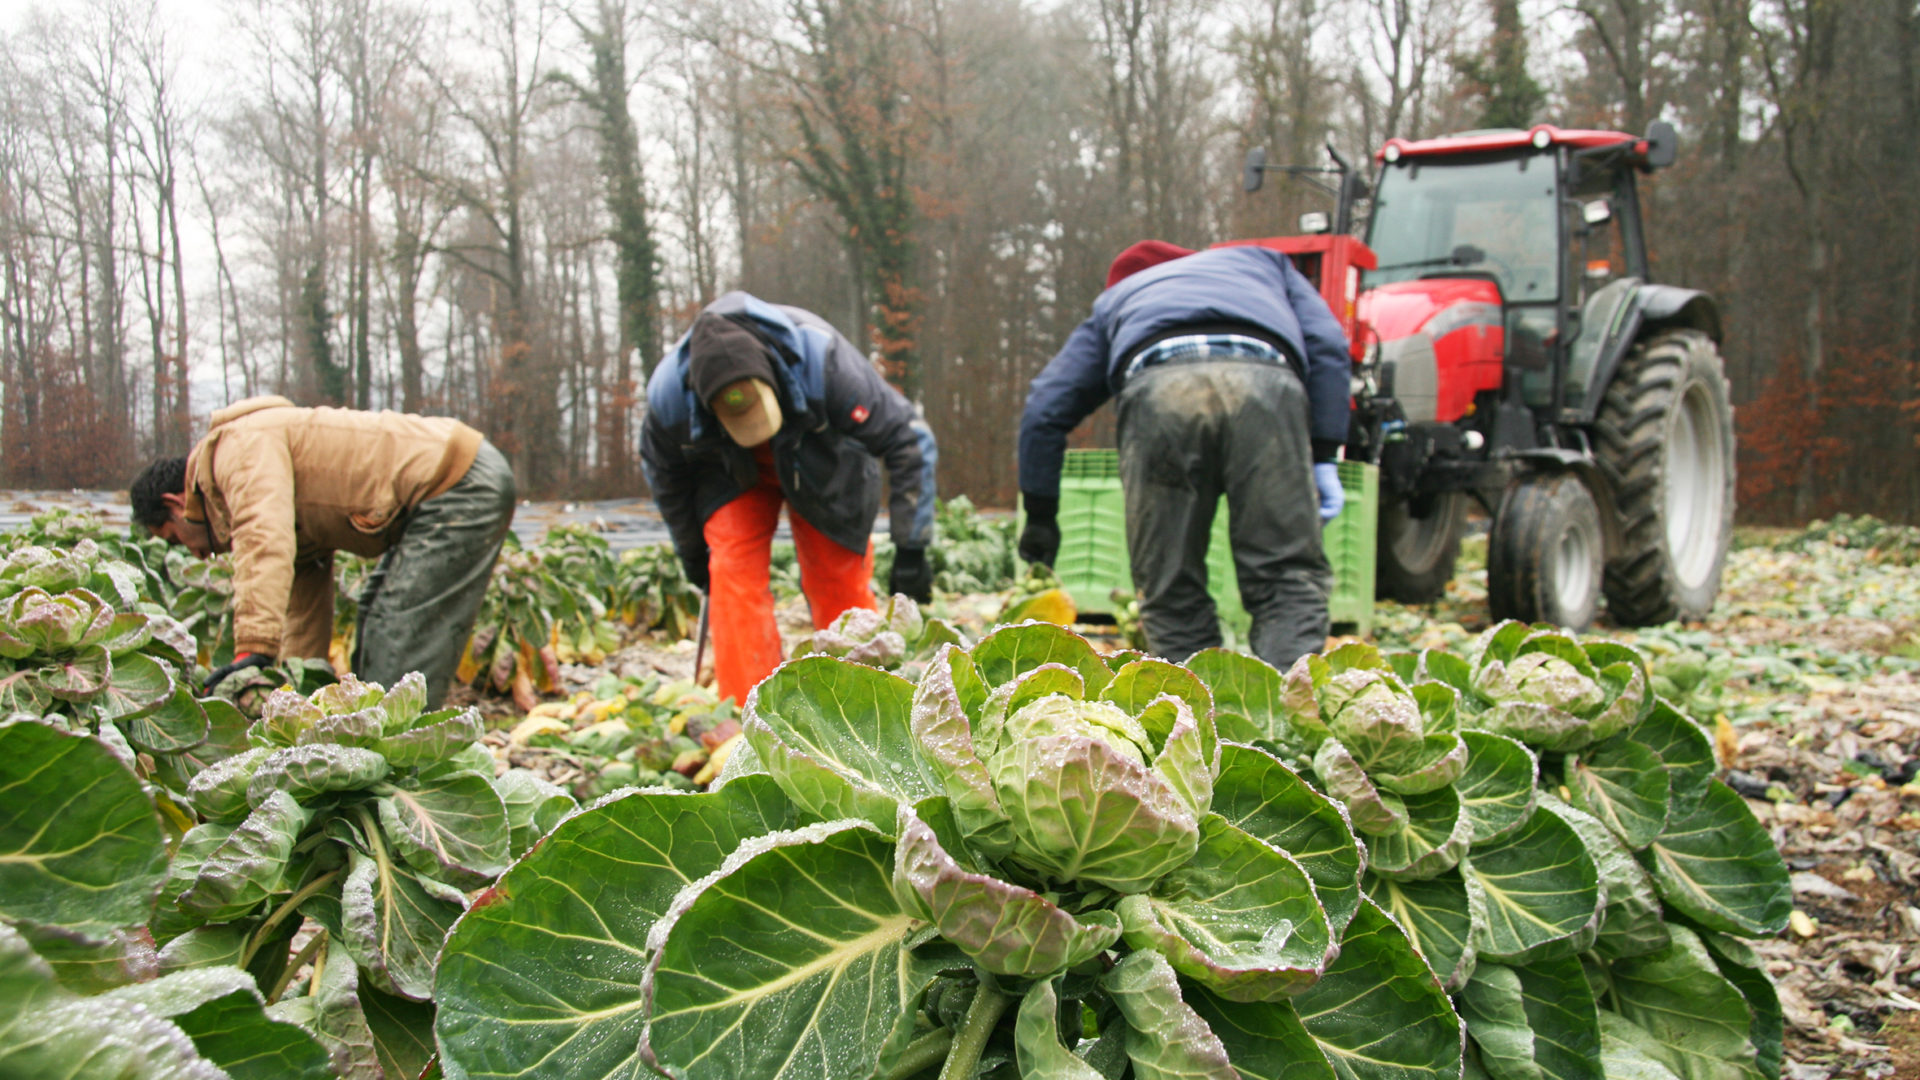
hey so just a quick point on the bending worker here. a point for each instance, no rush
(282, 488)
(761, 404)
(1231, 376)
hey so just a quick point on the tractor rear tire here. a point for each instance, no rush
(1416, 555)
(1664, 441)
(1545, 553)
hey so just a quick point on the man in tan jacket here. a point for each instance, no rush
(282, 488)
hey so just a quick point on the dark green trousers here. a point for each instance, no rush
(418, 606)
(1190, 433)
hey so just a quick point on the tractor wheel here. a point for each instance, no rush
(1664, 440)
(1417, 553)
(1545, 553)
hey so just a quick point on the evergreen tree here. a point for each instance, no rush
(1509, 97)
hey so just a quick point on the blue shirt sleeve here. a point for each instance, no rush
(1067, 390)
(1329, 366)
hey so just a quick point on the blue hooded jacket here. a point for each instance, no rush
(840, 423)
(1247, 285)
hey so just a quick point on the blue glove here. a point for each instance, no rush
(1326, 477)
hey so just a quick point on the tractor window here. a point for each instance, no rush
(1492, 217)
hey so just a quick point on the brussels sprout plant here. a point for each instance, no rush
(1030, 864)
(1578, 878)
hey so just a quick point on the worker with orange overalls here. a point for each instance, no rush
(762, 404)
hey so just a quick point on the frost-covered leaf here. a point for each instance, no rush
(1432, 841)
(219, 792)
(1623, 1051)
(1006, 928)
(1541, 890)
(1623, 784)
(838, 738)
(1083, 807)
(1269, 801)
(1371, 810)
(175, 724)
(1240, 917)
(433, 742)
(1683, 748)
(534, 807)
(945, 702)
(1139, 683)
(1012, 651)
(1717, 865)
(1379, 1013)
(1166, 1038)
(306, 771)
(790, 961)
(1036, 1039)
(1247, 694)
(1497, 787)
(1632, 922)
(363, 728)
(1439, 914)
(453, 828)
(250, 864)
(1742, 967)
(1264, 1040)
(1534, 1021)
(541, 977)
(220, 1009)
(47, 1031)
(80, 842)
(1698, 1022)
(392, 924)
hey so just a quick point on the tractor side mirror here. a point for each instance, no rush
(1663, 143)
(1597, 212)
(1315, 221)
(1256, 173)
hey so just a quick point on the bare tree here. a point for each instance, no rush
(636, 259)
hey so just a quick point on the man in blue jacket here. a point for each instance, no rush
(760, 405)
(1231, 377)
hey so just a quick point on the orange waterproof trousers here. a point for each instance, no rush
(746, 642)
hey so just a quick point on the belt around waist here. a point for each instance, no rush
(1197, 348)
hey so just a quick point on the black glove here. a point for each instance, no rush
(912, 575)
(244, 660)
(1040, 540)
(696, 571)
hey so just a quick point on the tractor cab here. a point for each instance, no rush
(1512, 234)
(1506, 331)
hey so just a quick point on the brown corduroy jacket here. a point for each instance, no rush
(284, 487)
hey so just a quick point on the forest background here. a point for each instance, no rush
(504, 210)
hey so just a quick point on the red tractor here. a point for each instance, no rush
(1510, 348)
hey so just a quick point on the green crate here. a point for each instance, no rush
(1093, 543)
(1093, 530)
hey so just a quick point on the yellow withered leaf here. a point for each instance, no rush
(1053, 606)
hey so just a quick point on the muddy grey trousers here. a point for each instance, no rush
(1189, 433)
(420, 601)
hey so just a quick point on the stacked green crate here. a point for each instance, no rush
(1093, 530)
(1093, 543)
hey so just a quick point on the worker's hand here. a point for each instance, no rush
(696, 572)
(1326, 477)
(244, 660)
(1040, 540)
(912, 575)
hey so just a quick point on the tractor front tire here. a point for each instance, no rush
(1664, 441)
(1416, 554)
(1545, 553)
